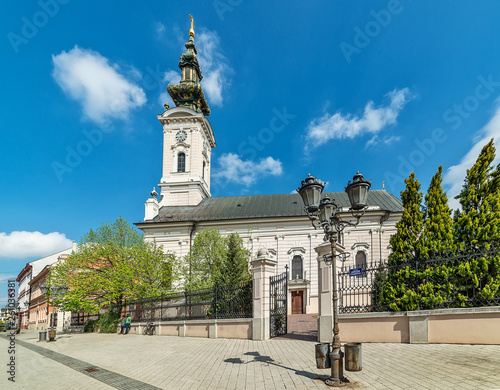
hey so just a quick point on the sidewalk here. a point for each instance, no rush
(108, 361)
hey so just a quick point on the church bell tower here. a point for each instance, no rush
(188, 139)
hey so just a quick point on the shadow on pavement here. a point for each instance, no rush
(270, 361)
(299, 336)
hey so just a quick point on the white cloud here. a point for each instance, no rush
(164, 97)
(376, 140)
(133, 73)
(29, 244)
(233, 169)
(214, 66)
(171, 77)
(90, 78)
(374, 119)
(160, 29)
(454, 177)
(4, 278)
(7, 277)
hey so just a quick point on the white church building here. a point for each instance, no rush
(275, 222)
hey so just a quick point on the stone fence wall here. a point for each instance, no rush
(478, 325)
(240, 328)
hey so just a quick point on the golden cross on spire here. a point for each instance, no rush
(191, 30)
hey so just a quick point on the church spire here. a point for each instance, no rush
(188, 92)
(191, 30)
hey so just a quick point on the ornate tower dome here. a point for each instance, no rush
(188, 93)
(188, 140)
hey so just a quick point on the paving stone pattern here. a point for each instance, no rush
(110, 378)
(168, 362)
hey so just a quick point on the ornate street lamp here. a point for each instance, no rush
(55, 292)
(62, 290)
(310, 191)
(44, 289)
(327, 210)
(357, 191)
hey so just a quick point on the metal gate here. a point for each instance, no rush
(278, 304)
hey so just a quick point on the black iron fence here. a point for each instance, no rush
(79, 319)
(218, 302)
(278, 304)
(459, 278)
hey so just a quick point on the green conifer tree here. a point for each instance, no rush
(234, 268)
(399, 292)
(456, 281)
(437, 237)
(404, 243)
(478, 223)
(438, 227)
(232, 293)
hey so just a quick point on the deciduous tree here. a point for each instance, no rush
(216, 260)
(111, 265)
(204, 260)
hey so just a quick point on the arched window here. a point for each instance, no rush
(297, 268)
(181, 162)
(361, 260)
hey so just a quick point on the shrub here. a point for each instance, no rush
(89, 326)
(108, 322)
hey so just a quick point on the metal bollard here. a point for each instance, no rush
(353, 357)
(323, 355)
(42, 336)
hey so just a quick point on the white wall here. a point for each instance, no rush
(281, 236)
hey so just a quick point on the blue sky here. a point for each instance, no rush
(383, 87)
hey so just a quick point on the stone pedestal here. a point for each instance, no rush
(325, 293)
(419, 331)
(262, 268)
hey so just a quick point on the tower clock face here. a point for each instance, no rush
(181, 136)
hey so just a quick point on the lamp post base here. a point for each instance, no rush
(334, 382)
(337, 376)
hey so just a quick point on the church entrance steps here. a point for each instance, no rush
(301, 327)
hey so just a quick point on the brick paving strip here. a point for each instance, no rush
(110, 378)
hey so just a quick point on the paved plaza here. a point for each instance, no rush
(109, 361)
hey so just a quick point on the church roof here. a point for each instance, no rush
(263, 206)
